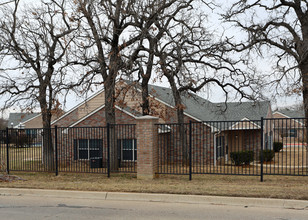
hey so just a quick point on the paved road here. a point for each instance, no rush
(25, 207)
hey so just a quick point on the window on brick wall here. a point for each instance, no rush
(85, 149)
(127, 149)
(288, 132)
(292, 133)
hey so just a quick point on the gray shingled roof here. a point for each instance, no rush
(205, 110)
(292, 113)
(17, 118)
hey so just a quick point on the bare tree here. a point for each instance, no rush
(162, 14)
(34, 43)
(192, 57)
(108, 30)
(276, 29)
(116, 36)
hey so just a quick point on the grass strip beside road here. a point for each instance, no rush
(283, 187)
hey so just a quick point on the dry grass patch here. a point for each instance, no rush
(273, 187)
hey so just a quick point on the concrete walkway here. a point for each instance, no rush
(168, 198)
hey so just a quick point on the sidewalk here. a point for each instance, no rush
(168, 198)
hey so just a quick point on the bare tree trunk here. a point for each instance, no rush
(145, 96)
(180, 120)
(146, 78)
(48, 151)
(109, 84)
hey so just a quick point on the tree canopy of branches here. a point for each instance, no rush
(277, 29)
(34, 42)
(191, 56)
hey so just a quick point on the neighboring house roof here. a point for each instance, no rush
(16, 118)
(291, 113)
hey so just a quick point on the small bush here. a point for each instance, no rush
(242, 157)
(278, 146)
(20, 140)
(268, 155)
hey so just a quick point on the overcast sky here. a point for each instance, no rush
(212, 93)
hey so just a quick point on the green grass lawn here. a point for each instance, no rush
(284, 187)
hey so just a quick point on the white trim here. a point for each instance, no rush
(126, 112)
(133, 150)
(88, 148)
(77, 106)
(242, 120)
(86, 116)
(277, 112)
(32, 118)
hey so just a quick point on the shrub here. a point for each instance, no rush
(268, 155)
(278, 146)
(20, 140)
(242, 157)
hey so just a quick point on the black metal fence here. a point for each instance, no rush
(247, 147)
(73, 149)
(287, 138)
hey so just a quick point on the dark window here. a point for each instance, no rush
(89, 149)
(31, 132)
(128, 149)
(292, 133)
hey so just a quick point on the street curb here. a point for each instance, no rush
(168, 198)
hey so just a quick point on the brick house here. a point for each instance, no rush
(289, 126)
(213, 140)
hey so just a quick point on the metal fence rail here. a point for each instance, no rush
(210, 148)
(287, 138)
(246, 147)
(70, 149)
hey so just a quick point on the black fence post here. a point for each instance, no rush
(7, 152)
(108, 150)
(262, 132)
(190, 151)
(56, 149)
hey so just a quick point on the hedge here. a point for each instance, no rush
(268, 155)
(242, 157)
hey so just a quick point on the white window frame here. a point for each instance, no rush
(88, 148)
(133, 150)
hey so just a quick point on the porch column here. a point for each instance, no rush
(147, 148)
